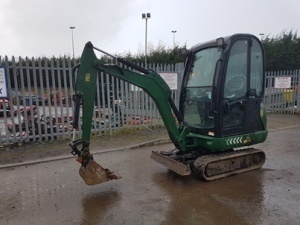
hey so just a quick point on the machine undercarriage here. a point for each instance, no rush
(211, 166)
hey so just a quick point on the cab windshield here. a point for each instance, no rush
(197, 102)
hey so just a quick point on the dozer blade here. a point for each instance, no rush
(94, 174)
(172, 164)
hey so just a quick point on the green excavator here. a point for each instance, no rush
(220, 111)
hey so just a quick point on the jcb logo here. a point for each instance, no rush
(87, 77)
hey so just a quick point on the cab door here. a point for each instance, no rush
(242, 88)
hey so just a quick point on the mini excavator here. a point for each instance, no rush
(220, 111)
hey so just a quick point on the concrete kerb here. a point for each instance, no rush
(284, 128)
(63, 157)
(143, 144)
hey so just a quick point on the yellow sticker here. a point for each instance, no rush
(87, 77)
(247, 140)
(261, 113)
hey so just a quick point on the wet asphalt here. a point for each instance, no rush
(53, 192)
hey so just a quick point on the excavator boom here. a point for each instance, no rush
(85, 90)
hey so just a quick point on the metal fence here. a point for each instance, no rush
(40, 103)
(40, 106)
(280, 99)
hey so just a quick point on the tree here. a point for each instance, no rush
(282, 51)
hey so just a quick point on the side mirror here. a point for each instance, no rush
(220, 42)
(184, 52)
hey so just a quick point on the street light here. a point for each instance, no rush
(174, 31)
(146, 16)
(72, 28)
(261, 36)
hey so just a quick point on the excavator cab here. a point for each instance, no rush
(220, 108)
(223, 86)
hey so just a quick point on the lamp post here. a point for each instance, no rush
(174, 31)
(261, 36)
(72, 28)
(146, 16)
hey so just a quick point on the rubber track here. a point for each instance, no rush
(213, 167)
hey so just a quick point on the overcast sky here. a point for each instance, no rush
(37, 28)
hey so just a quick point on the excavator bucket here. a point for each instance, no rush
(94, 174)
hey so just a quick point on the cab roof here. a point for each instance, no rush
(214, 43)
